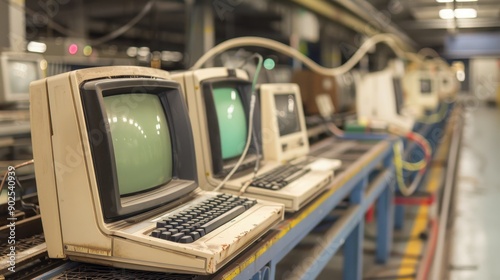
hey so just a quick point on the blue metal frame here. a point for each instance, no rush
(347, 231)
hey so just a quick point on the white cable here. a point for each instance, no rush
(245, 150)
(387, 39)
(250, 127)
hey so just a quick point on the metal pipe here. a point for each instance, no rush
(448, 187)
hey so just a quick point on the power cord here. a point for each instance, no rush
(388, 39)
(24, 204)
(250, 123)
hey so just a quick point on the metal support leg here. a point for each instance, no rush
(399, 217)
(272, 270)
(353, 247)
(385, 220)
(385, 215)
(353, 254)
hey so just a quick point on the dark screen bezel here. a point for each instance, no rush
(297, 118)
(184, 161)
(428, 82)
(243, 88)
(398, 94)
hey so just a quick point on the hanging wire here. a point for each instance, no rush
(250, 123)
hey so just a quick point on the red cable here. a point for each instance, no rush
(423, 272)
(428, 200)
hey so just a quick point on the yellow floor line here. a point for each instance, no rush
(415, 245)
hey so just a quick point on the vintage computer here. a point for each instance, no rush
(380, 101)
(447, 82)
(282, 119)
(218, 100)
(117, 176)
(421, 87)
(17, 70)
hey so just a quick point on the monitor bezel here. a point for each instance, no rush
(183, 156)
(6, 95)
(398, 91)
(244, 89)
(297, 117)
(276, 147)
(429, 82)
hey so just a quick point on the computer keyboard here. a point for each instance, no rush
(199, 220)
(279, 177)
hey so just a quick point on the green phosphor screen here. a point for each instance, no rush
(232, 121)
(141, 141)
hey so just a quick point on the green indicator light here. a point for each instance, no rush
(269, 63)
(87, 50)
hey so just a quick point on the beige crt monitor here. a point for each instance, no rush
(219, 145)
(380, 100)
(421, 88)
(447, 82)
(17, 70)
(284, 133)
(115, 165)
(219, 100)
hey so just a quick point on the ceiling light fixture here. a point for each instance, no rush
(37, 47)
(451, 1)
(457, 13)
(465, 13)
(446, 14)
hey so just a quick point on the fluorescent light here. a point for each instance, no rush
(451, 1)
(457, 13)
(37, 47)
(465, 13)
(446, 14)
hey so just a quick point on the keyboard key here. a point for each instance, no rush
(165, 235)
(201, 231)
(248, 204)
(176, 237)
(195, 235)
(186, 239)
(167, 227)
(226, 217)
(195, 222)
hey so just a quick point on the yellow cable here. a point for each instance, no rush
(398, 163)
(414, 166)
(436, 117)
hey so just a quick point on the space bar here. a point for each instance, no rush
(222, 219)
